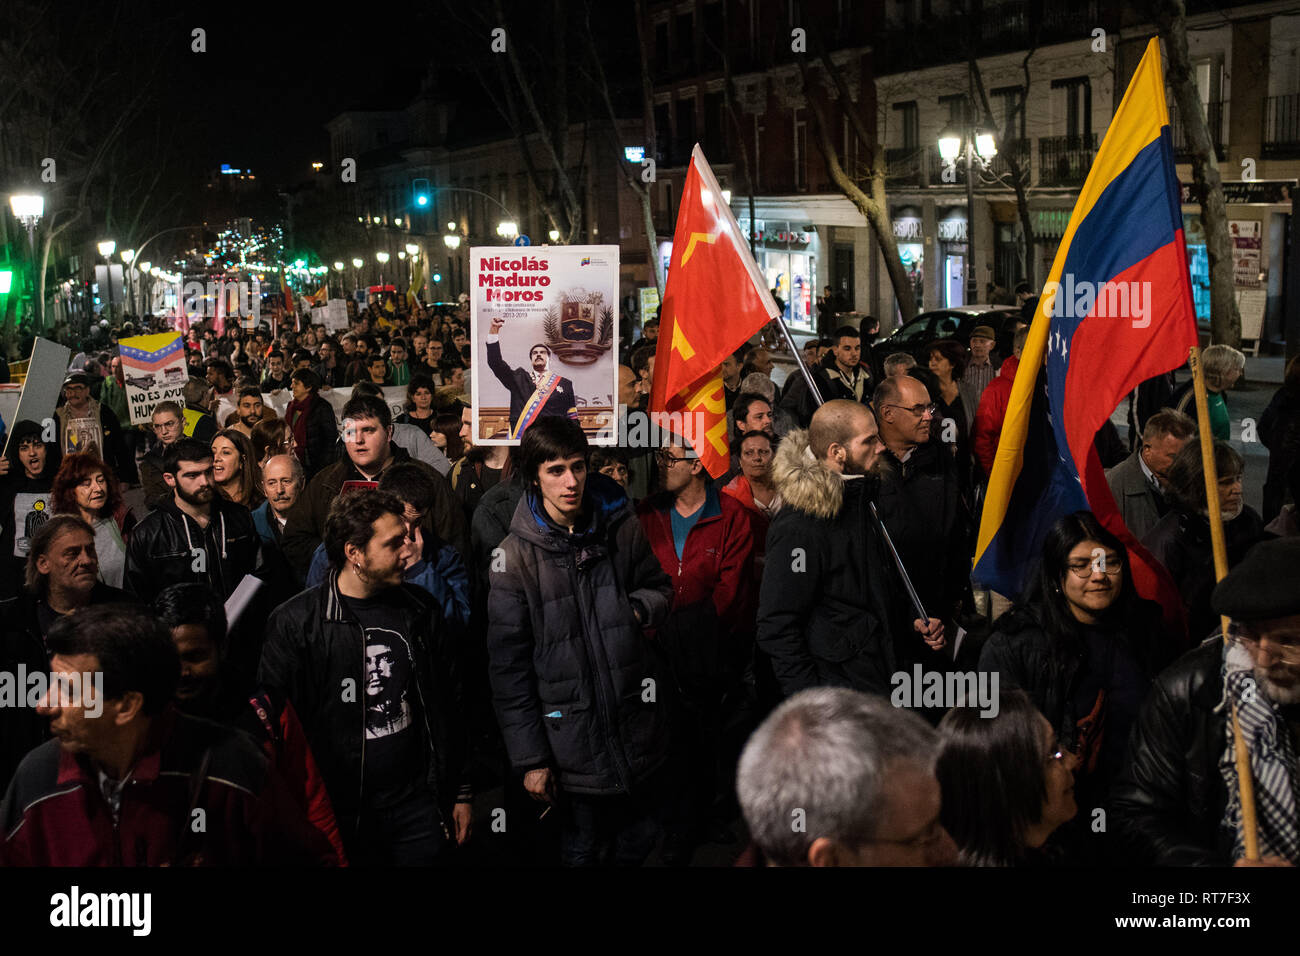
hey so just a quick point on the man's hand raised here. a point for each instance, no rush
(496, 325)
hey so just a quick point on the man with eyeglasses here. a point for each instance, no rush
(704, 542)
(1176, 802)
(923, 500)
(859, 775)
(168, 424)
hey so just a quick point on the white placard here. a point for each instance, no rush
(564, 298)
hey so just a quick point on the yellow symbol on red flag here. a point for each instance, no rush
(712, 307)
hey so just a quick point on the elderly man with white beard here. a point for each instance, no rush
(1176, 802)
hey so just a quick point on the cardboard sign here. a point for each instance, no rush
(42, 385)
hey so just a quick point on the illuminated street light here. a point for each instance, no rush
(555, 235)
(452, 242)
(106, 248)
(127, 255)
(412, 249)
(358, 263)
(507, 229)
(381, 257)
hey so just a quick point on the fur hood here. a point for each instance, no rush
(803, 482)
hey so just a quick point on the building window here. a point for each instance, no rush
(956, 107)
(662, 49)
(714, 32)
(909, 118)
(1007, 104)
(684, 27)
(1072, 107)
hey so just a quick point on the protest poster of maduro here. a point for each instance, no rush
(545, 339)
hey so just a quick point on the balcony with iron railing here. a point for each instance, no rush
(1065, 160)
(1281, 138)
(904, 165)
(1178, 129)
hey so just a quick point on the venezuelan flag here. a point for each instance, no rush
(1116, 310)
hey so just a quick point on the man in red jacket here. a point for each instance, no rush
(129, 780)
(992, 411)
(704, 541)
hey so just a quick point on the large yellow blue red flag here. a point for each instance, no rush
(1115, 311)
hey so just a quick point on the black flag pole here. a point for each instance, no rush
(884, 532)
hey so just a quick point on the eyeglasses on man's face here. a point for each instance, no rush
(918, 410)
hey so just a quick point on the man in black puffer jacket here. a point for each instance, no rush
(577, 689)
(832, 610)
(1175, 803)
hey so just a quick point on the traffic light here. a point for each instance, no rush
(422, 194)
(437, 277)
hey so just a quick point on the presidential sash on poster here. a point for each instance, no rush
(541, 395)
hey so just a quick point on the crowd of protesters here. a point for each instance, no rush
(335, 633)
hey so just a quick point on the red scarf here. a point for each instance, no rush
(295, 414)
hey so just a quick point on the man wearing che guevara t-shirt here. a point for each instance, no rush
(364, 650)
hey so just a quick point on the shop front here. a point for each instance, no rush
(787, 255)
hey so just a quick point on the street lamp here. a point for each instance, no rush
(412, 249)
(977, 146)
(452, 242)
(507, 229)
(106, 248)
(28, 209)
(356, 271)
(382, 258)
(554, 235)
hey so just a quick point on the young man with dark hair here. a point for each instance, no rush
(399, 372)
(377, 368)
(196, 536)
(433, 565)
(277, 376)
(123, 781)
(249, 409)
(840, 374)
(574, 681)
(367, 442)
(221, 376)
(211, 688)
(392, 752)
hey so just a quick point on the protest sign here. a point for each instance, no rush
(544, 325)
(153, 367)
(44, 382)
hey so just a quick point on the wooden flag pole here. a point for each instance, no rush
(1245, 781)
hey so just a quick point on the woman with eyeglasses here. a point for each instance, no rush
(1084, 646)
(1006, 783)
(271, 437)
(1181, 539)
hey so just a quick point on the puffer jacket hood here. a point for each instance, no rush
(803, 482)
(603, 498)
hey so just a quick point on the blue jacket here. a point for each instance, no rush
(440, 571)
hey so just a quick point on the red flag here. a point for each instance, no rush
(288, 296)
(714, 300)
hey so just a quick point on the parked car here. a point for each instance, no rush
(956, 323)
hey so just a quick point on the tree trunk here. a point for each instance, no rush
(1225, 320)
(1017, 180)
(875, 208)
